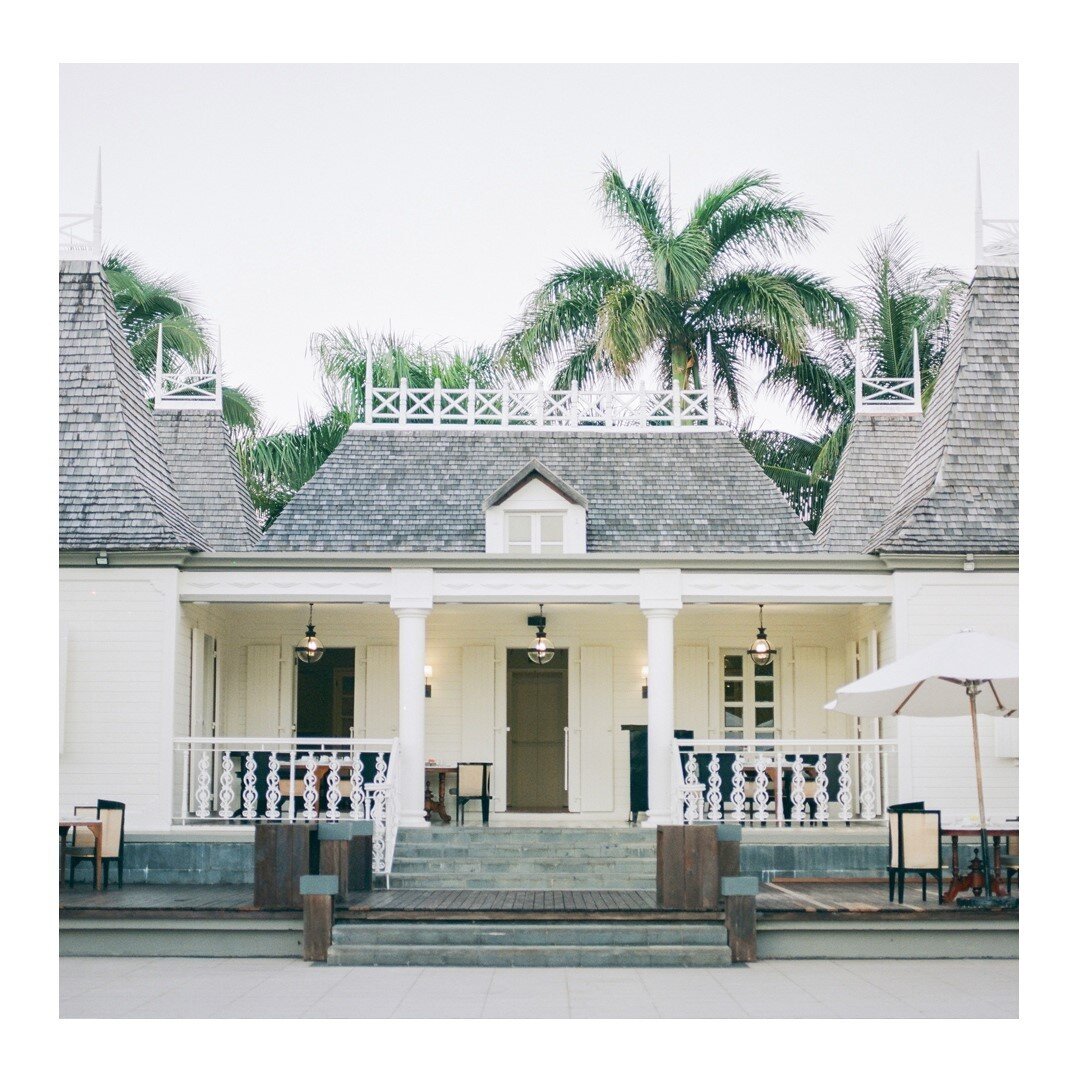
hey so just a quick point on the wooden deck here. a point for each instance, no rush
(783, 899)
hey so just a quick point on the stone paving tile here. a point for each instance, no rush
(175, 987)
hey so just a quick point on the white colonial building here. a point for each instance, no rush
(437, 529)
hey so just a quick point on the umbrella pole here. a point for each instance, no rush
(972, 692)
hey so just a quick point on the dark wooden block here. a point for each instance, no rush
(283, 854)
(687, 868)
(318, 925)
(360, 860)
(740, 916)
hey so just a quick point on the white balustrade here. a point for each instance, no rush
(781, 782)
(538, 407)
(287, 779)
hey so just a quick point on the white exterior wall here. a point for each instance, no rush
(936, 755)
(120, 693)
(466, 649)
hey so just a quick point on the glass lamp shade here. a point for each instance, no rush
(541, 652)
(310, 650)
(761, 652)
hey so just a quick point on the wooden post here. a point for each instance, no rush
(345, 850)
(728, 841)
(740, 916)
(283, 854)
(318, 892)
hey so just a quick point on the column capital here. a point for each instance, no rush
(660, 591)
(412, 591)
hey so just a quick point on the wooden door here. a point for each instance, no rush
(536, 758)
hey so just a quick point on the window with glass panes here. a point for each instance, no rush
(535, 534)
(749, 694)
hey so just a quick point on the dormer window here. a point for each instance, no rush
(535, 513)
(535, 533)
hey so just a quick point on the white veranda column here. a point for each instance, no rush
(411, 602)
(661, 599)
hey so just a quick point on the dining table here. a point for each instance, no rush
(96, 828)
(975, 876)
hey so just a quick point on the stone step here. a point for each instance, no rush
(672, 956)
(529, 933)
(525, 864)
(553, 881)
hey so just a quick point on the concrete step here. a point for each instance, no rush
(673, 956)
(562, 932)
(512, 883)
(558, 944)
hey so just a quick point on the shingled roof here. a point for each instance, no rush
(867, 480)
(961, 491)
(199, 451)
(422, 489)
(115, 489)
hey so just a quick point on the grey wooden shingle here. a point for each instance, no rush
(199, 451)
(867, 479)
(961, 490)
(115, 488)
(422, 489)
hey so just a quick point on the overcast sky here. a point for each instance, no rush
(433, 199)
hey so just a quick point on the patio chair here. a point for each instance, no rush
(914, 847)
(111, 814)
(473, 782)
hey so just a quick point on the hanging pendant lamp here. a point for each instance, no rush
(761, 652)
(310, 650)
(541, 652)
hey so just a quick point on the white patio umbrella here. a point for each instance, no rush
(964, 674)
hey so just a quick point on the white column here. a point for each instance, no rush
(411, 650)
(661, 600)
(410, 599)
(661, 734)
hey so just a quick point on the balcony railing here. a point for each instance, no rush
(472, 406)
(239, 781)
(781, 782)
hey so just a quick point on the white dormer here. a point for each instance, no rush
(535, 513)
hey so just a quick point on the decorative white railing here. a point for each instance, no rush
(187, 389)
(539, 407)
(240, 781)
(80, 236)
(821, 781)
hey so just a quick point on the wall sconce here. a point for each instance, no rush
(102, 558)
(645, 681)
(427, 680)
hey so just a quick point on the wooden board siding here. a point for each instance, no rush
(937, 754)
(121, 689)
(594, 731)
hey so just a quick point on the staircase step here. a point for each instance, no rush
(524, 858)
(675, 956)
(506, 934)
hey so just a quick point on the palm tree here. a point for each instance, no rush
(277, 464)
(145, 302)
(898, 301)
(673, 288)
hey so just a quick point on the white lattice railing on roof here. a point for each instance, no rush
(473, 406)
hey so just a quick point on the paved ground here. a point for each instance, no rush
(163, 987)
